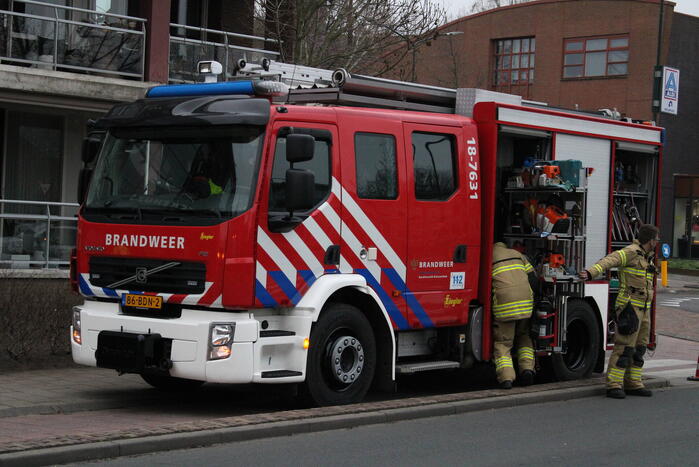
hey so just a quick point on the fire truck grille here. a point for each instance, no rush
(181, 278)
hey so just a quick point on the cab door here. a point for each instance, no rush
(443, 223)
(374, 205)
(292, 254)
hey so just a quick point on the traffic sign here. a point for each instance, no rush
(666, 250)
(670, 91)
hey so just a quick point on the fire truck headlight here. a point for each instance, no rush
(77, 336)
(220, 340)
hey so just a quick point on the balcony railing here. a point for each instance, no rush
(74, 39)
(35, 234)
(189, 45)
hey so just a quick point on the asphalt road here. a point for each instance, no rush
(662, 430)
(684, 301)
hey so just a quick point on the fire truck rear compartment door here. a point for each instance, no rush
(592, 152)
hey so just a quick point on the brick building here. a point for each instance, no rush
(587, 55)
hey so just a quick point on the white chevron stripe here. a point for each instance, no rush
(218, 302)
(194, 299)
(373, 233)
(336, 188)
(304, 252)
(95, 290)
(261, 274)
(356, 246)
(277, 255)
(321, 237)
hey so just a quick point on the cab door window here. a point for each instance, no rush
(434, 159)
(375, 159)
(319, 165)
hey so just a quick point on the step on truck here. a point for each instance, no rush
(263, 230)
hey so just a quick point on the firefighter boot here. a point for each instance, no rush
(616, 393)
(643, 392)
(526, 378)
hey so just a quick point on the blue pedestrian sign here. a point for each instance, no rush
(671, 90)
(666, 250)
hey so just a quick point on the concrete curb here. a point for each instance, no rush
(207, 437)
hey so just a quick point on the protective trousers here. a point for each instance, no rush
(505, 333)
(625, 369)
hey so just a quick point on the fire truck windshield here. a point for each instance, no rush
(176, 174)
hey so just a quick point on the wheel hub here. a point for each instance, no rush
(346, 359)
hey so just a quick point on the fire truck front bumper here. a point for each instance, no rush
(200, 345)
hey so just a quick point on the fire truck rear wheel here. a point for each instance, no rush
(341, 357)
(583, 344)
(170, 383)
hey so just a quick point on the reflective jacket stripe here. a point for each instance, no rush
(509, 267)
(517, 304)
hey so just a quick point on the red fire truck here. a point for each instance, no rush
(340, 235)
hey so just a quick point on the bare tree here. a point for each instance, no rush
(483, 5)
(368, 35)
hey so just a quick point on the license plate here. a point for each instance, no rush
(143, 301)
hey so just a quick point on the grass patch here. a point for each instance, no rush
(679, 263)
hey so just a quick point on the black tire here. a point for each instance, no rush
(583, 344)
(341, 358)
(170, 383)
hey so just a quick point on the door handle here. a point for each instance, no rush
(460, 254)
(332, 255)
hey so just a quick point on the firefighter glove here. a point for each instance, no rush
(638, 356)
(625, 358)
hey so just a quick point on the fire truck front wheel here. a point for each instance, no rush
(170, 383)
(582, 343)
(341, 357)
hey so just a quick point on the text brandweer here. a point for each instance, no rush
(151, 241)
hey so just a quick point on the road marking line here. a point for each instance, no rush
(665, 362)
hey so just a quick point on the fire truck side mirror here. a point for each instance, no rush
(91, 147)
(83, 183)
(300, 188)
(299, 148)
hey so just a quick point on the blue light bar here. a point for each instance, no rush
(203, 89)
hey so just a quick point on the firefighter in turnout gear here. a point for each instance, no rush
(513, 301)
(632, 310)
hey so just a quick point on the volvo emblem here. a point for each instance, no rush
(141, 275)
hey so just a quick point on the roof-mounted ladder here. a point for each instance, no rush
(338, 87)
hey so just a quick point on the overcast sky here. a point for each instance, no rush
(459, 8)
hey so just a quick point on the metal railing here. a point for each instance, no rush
(36, 234)
(89, 41)
(224, 47)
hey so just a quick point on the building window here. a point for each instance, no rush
(514, 64)
(598, 56)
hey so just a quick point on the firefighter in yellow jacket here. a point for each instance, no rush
(632, 309)
(513, 301)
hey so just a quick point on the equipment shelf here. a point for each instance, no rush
(550, 236)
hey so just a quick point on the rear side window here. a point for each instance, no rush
(434, 159)
(319, 165)
(375, 159)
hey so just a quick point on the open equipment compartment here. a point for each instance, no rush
(541, 212)
(635, 192)
(634, 202)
